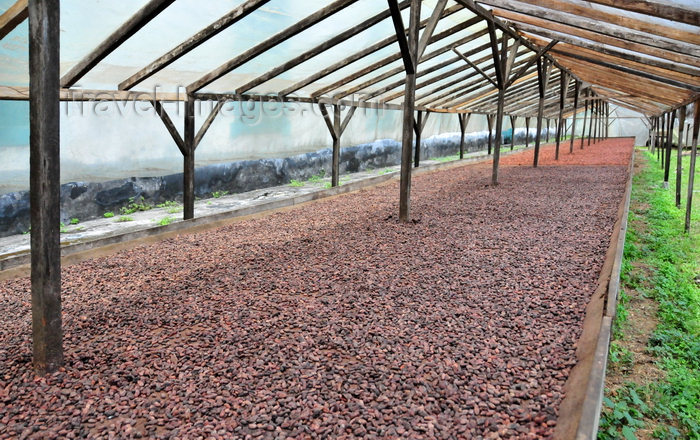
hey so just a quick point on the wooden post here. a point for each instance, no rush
(463, 121)
(652, 132)
(410, 55)
(592, 122)
(679, 156)
(335, 162)
(662, 139)
(585, 111)
(489, 121)
(418, 128)
(596, 126)
(669, 145)
(499, 129)
(188, 175)
(561, 129)
(607, 120)
(527, 131)
(44, 184)
(691, 171)
(513, 120)
(577, 88)
(547, 139)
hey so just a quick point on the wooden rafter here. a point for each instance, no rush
(137, 21)
(655, 9)
(598, 37)
(12, 17)
(593, 25)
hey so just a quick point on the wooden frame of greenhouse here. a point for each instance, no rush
(542, 60)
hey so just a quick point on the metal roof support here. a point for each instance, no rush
(408, 109)
(691, 170)
(140, 19)
(44, 184)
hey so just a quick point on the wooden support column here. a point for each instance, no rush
(489, 121)
(561, 129)
(607, 119)
(499, 129)
(577, 89)
(585, 111)
(596, 116)
(409, 51)
(544, 69)
(44, 184)
(679, 156)
(669, 145)
(513, 120)
(463, 121)
(188, 162)
(336, 129)
(547, 134)
(691, 171)
(527, 131)
(590, 126)
(418, 126)
(660, 144)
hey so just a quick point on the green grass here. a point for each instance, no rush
(124, 218)
(108, 214)
(386, 171)
(165, 221)
(135, 206)
(655, 240)
(296, 183)
(74, 221)
(217, 194)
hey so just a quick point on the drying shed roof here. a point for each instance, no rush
(643, 55)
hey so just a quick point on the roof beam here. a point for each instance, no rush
(596, 14)
(137, 21)
(602, 48)
(12, 17)
(597, 37)
(356, 56)
(655, 9)
(341, 37)
(372, 68)
(521, 10)
(409, 63)
(570, 48)
(192, 43)
(271, 42)
(630, 71)
(427, 33)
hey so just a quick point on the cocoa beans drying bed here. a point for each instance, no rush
(332, 319)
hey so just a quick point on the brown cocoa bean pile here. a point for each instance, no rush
(332, 320)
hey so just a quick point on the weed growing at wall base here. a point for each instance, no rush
(667, 408)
